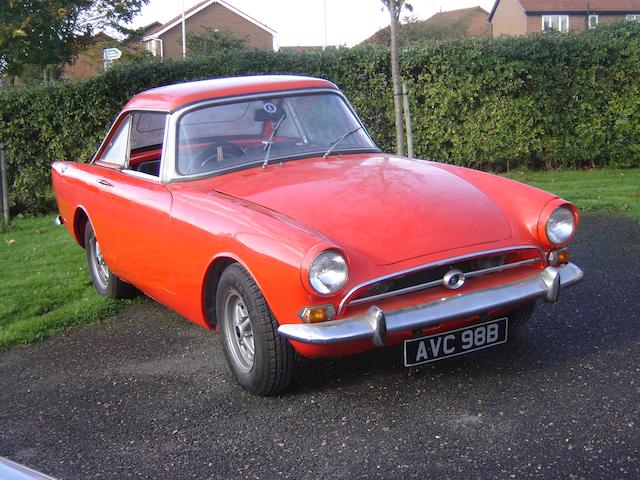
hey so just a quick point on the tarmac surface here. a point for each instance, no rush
(147, 394)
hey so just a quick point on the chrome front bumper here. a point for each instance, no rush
(375, 324)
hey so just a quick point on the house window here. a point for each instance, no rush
(593, 21)
(557, 23)
(634, 17)
(151, 47)
(154, 46)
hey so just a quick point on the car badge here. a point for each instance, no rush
(270, 108)
(453, 279)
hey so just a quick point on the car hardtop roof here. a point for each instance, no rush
(172, 97)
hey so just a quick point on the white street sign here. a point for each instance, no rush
(111, 53)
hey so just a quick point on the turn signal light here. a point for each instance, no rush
(559, 257)
(317, 314)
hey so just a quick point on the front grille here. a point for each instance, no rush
(431, 276)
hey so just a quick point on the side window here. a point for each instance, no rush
(118, 148)
(147, 130)
(147, 138)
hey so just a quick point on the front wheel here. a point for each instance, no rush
(104, 280)
(519, 317)
(259, 359)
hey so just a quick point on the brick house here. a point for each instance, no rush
(166, 40)
(521, 17)
(469, 22)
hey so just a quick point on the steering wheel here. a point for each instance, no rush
(210, 153)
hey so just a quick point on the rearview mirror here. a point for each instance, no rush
(268, 112)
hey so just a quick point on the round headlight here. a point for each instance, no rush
(560, 225)
(328, 272)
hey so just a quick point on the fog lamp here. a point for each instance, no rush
(321, 313)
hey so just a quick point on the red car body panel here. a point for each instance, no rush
(385, 213)
(329, 194)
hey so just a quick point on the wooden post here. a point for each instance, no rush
(5, 187)
(407, 119)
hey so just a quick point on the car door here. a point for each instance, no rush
(132, 211)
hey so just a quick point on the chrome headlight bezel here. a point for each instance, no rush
(328, 272)
(560, 226)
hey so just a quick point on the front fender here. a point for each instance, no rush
(208, 227)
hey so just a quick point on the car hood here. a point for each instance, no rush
(388, 208)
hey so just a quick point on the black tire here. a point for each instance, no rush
(268, 370)
(104, 280)
(519, 317)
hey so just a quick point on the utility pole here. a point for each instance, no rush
(5, 186)
(184, 34)
(324, 46)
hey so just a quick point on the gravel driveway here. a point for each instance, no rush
(147, 394)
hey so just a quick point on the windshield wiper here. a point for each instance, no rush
(267, 146)
(337, 141)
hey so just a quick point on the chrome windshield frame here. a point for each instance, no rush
(170, 172)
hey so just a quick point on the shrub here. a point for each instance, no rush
(544, 101)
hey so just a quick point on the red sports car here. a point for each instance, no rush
(260, 206)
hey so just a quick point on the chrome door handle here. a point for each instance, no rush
(102, 181)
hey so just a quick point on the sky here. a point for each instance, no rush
(300, 22)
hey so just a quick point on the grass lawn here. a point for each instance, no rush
(610, 190)
(44, 283)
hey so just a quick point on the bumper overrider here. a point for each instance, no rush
(375, 324)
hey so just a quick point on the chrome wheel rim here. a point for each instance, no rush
(239, 332)
(99, 264)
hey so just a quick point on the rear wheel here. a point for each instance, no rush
(104, 280)
(259, 359)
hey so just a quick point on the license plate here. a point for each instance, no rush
(455, 342)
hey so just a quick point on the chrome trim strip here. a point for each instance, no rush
(439, 263)
(144, 176)
(402, 291)
(501, 268)
(163, 153)
(435, 283)
(375, 324)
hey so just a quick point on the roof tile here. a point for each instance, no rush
(622, 6)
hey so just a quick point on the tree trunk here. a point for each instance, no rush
(395, 75)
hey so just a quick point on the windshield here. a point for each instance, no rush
(222, 137)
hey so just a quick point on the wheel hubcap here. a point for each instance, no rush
(239, 331)
(100, 265)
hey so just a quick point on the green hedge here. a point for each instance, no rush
(546, 101)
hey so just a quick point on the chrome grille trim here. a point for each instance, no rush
(435, 283)
(500, 268)
(345, 300)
